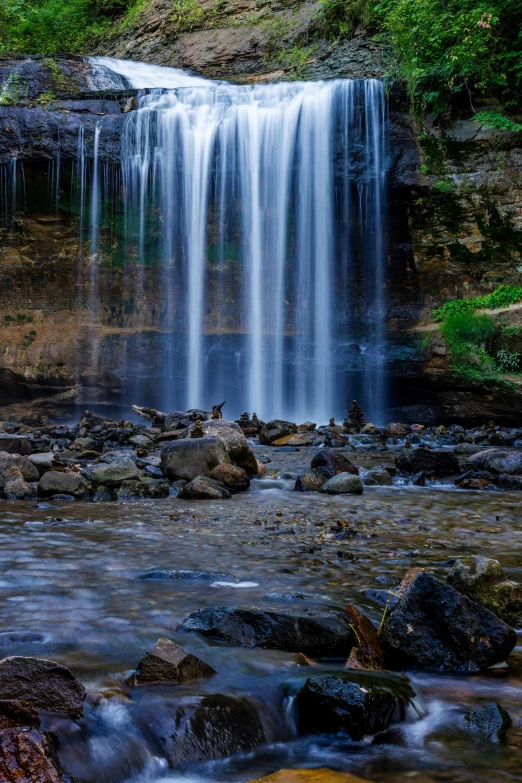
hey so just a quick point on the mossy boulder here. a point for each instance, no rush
(483, 580)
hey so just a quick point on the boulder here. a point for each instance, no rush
(467, 448)
(28, 756)
(491, 721)
(484, 581)
(57, 483)
(274, 430)
(330, 463)
(476, 479)
(311, 481)
(115, 473)
(42, 462)
(428, 461)
(204, 488)
(15, 487)
(357, 704)
(235, 442)
(377, 477)
(315, 633)
(509, 482)
(134, 490)
(316, 775)
(192, 457)
(15, 444)
(496, 461)
(233, 477)
(168, 662)
(210, 728)
(433, 626)
(44, 684)
(17, 462)
(343, 484)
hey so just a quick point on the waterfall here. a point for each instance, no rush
(265, 207)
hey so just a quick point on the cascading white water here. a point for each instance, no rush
(271, 205)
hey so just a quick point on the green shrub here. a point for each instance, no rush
(511, 331)
(503, 296)
(466, 336)
(507, 361)
(493, 119)
(443, 186)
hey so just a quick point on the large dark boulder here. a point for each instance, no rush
(213, 727)
(330, 463)
(314, 633)
(192, 457)
(432, 463)
(358, 704)
(496, 461)
(274, 430)
(28, 756)
(168, 662)
(44, 684)
(484, 581)
(435, 627)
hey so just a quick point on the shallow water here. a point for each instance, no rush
(70, 591)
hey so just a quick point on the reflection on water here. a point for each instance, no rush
(70, 591)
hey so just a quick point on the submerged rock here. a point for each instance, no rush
(435, 627)
(330, 463)
(343, 484)
(168, 662)
(357, 704)
(214, 727)
(57, 483)
(317, 634)
(28, 756)
(275, 430)
(192, 457)
(484, 581)
(377, 477)
(491, 721)
(204, 488)
(44, 684)
(180, 574)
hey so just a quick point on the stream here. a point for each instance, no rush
(71, 590)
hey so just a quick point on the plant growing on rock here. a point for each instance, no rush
(508, 361)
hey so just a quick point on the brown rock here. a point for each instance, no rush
(397, 430)
(297, 439)
(14, 712)
(367, 650)
(28, 756)
(168, 662)
(234, 478)
(46, 685)
(309, 776)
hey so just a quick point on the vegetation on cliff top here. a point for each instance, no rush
(438, 47)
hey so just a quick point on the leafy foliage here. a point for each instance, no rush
(51, 26)
(508, 361)
(466, 336)
(503, 296)
(187, 15)
(448, 46)
(493, 119)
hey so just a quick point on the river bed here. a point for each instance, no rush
(71, 591)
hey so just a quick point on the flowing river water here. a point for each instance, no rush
(71, 591)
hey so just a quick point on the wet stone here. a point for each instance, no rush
(44, 684)
(491, 721)
(168, 662)
(358, 704)
(28, 756)
(317, 634)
